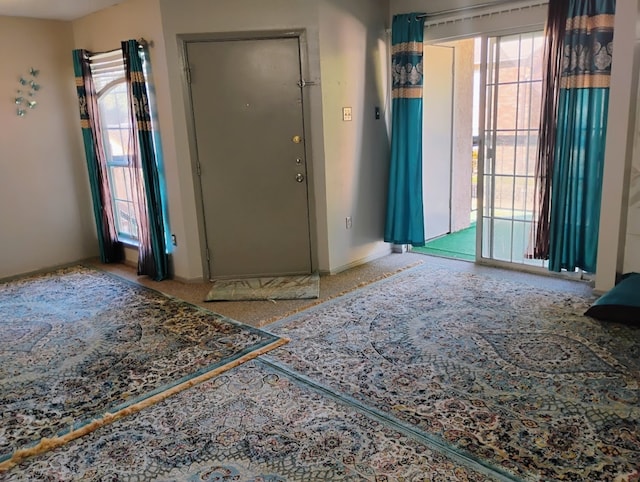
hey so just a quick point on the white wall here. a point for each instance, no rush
(45, 203)
(354, 58)
(619, 150)
(632, 245)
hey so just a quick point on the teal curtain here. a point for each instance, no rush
(576, 184)
(111, 250)
(152, 249)
(405, 218)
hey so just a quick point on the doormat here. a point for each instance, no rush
(266, 288)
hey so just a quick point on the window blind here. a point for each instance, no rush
(497, 18)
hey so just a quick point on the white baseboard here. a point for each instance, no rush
(373, 256)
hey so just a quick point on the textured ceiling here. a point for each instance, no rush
(53, 9)
(72, 9)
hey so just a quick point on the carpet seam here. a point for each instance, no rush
(47, 444)
(423, 437)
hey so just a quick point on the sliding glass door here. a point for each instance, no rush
(510, 100)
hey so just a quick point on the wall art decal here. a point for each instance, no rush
(25, 95)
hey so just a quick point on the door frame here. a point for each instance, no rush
(300, 35)
(487, 103)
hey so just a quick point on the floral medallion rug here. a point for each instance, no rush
(254, 423)
(80, 348)
(502, 367)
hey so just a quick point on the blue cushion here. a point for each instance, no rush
(621, 303)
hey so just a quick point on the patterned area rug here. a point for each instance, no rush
(268, 288)
(79, 346)
(502, 367)
(253, 423)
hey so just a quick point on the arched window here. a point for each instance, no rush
(117, 135)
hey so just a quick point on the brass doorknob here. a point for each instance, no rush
(296, 139)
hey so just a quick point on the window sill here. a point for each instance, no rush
(129, 242)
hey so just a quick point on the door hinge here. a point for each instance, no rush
(206, 252)
(304, 83)
(198, 171)
(187, 71)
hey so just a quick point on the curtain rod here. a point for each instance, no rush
(142, 41)
(466, 9)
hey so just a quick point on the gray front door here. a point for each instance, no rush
(248, 118)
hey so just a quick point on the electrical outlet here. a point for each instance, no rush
(348, 222)
(346, 113)
(174, 240)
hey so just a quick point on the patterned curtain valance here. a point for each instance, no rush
(406, 55)
(588, 44)
(82, 70)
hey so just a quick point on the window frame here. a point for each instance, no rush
(130, 236)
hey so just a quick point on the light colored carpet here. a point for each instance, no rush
(261, 313)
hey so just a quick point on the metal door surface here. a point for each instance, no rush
(248, 121)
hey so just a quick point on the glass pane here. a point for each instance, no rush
(123, 217)
(523, 197)
(524, 105)
(502, 231)
(128, 173)
(503, 196)
(529, 154)
(504, 152)
(133, 222)
(524, 146)
(521, 236)
(114, 114)
(119, 187)
(509, 58)
(538, 57)
(507, 106)
(535, 103)
(526, 57)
